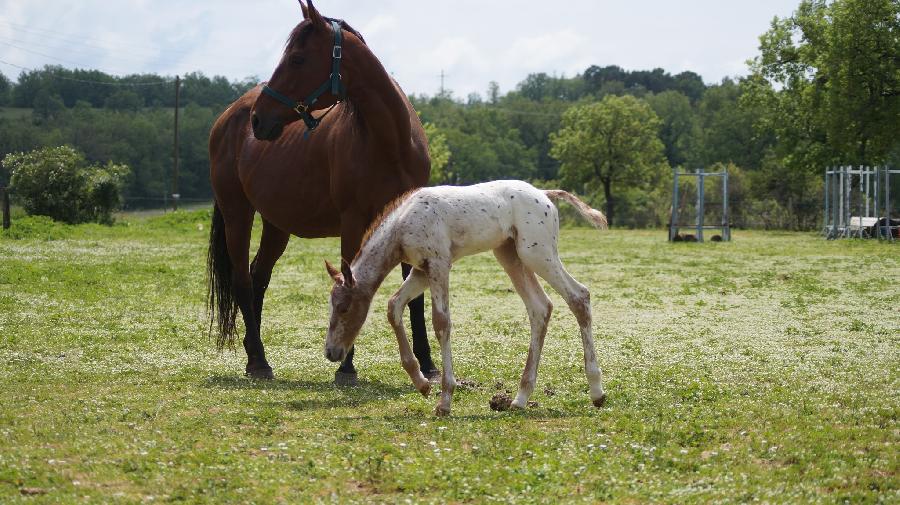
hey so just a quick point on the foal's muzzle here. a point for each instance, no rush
(335, 354)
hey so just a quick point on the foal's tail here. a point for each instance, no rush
(220, 303)
(593, 216)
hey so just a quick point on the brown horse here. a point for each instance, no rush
(329, 175)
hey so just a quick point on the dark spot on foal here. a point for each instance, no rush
(512, 196)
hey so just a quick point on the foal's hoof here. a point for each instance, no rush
(263, 372)
(600, 402)
(441, 411)
(346, 378)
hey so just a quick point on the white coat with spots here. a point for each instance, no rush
(431, 228)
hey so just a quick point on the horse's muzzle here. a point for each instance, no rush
(263, 130)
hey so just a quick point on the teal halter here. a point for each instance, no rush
(333, 84)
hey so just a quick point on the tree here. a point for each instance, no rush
(836, 66)
(5, 90)
(678, 124)
(59, 183)
(611, 142)
(439, 152)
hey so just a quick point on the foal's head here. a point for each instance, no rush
(305, 66)
(349, 308)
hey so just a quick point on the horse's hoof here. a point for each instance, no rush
(425, 389)
(433, 375)
(600, 402)
(441, 411)
(346, 378)
(264, 373)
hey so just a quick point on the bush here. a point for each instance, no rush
(36, 227)
(58, 182)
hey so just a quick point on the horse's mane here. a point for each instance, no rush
(388, 209)
(300, 32)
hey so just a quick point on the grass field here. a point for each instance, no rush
(766, 369)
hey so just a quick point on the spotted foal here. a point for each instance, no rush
(430, 228)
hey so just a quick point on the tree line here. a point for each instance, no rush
(824, 90)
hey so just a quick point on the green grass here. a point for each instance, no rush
(761, 370)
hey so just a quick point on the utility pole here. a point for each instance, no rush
(175, 194)
(4, 195)
(442, 82)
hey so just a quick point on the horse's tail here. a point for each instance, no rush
(593, 216)
(220, 303)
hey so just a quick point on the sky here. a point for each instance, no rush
(471, 42)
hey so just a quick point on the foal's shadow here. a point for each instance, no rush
(327, 394)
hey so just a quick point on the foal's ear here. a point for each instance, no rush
(313, 14)
(347, 273)
(304, 9)
(333, 273)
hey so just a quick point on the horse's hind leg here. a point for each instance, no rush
(539, 309)
(544, 260)
(271, 247)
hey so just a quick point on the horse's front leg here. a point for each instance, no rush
(413, 286)
(439, 283)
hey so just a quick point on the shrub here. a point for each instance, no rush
(58, 182)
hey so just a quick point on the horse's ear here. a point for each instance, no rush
(304, 9)
(347, 273)
(313, 14)
(333, 273)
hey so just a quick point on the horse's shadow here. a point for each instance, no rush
(328, 395)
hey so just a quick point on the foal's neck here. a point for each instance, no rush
(378, 256)
(379, 101)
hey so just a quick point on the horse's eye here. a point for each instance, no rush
(297, 60)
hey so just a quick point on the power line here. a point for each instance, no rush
(80, 38)
(161, 82)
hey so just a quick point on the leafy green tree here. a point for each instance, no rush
(678, 124)
(612, 143)
(124, 99)
(5, 90)
(439, 152)
(837, 70)
(59, 183)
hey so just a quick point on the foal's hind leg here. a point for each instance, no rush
(544, 260)
(539, 309)
(439, 285)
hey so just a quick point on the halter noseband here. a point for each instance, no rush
(333, 84)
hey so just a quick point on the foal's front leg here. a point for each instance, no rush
(439, 283)
(413, 286)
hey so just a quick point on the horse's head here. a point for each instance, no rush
(307, 78)
(349, 308)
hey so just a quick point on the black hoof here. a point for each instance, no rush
(264, 372)
(600, 402)
(346, 378)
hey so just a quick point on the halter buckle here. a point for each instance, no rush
(301, 108)
(336, 52)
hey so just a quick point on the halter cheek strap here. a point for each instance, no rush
(333, 84)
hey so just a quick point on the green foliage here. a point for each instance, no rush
(36, 227)
(439, 153)
(59, 183)
(836, 66)
(610, 143)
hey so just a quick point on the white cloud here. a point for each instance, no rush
(474, 42)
